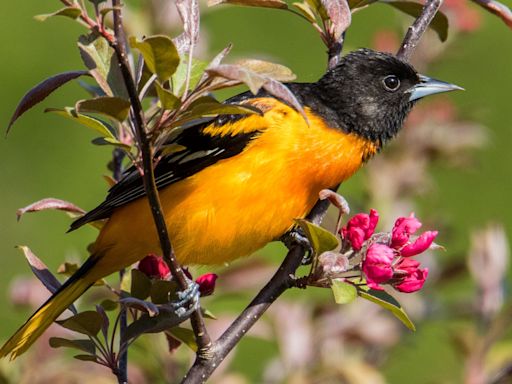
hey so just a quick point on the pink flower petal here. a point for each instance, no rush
(420, 245)
(377, 263)
(413, 282)
(404, 227)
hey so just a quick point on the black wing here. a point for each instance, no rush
(201, 150)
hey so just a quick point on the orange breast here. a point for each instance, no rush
(238, 205)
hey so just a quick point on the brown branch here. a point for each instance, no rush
(418, 28)
(500, 10)
(283, 279)
(137, 116)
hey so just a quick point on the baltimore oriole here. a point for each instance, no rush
(241, 180)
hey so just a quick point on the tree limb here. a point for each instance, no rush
(418, 28)
(146, 152)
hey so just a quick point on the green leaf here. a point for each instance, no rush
(162, 290)
(102, 63)
(344, 292)
(306, 11)
(67, 269)
(113, 107)
(185, 335)
(208, 314)
(321, 239)
(354, 4)
(279, 4)
(438, 24)
(140, 285)
(266, 68)
(168, 100)
(111, 141)
(88, 323)
(109, 305)
(388, 302)
(70, 12)
(82, 345)
(179, 77)
(160, 55)
(318, 8)
(94, 123)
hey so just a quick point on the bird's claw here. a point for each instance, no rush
(188, 300)
(297, 236)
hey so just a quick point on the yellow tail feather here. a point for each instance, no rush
(43, 318)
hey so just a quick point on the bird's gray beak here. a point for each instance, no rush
(428, 86)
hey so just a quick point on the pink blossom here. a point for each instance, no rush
(404, 227)
(206, 283)
(421, 244)
(360, 228)
(154, 267)
(377, 263)
(415, 277)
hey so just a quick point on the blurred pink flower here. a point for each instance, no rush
(420, 245)
(377, 265)
(414, 276)
(154, 267)
(206, 283)
(463, 17)
(360, 228)
(404, 227)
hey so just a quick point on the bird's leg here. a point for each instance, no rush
(188, 300)
(296, 236)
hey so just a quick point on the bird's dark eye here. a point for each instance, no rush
(391, 83)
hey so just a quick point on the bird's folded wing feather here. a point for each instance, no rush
(200, 146)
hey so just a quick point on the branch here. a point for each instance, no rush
(418, 28)
(137, 116)
(500, 10)
(283, 279)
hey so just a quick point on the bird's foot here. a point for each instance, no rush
(188, 300)
(296, 236)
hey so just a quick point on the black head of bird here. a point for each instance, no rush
(372, 92)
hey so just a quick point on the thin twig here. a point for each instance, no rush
(418, 28)
(197, 321)
(500, 10)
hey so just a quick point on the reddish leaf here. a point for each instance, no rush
(40, 270)
(49, 203)
(189, 13)
(141, 305)
(41, 91)
(256, 81)
(172, 343)
(88, 323)
(339, 13)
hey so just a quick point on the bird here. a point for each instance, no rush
(239, 182)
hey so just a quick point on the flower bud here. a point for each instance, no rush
(360, 228)
(377, 263)
(154, 267)
(404, 227)
(415, 277)
(206, 283)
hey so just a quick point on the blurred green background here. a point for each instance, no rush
(46, 156)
